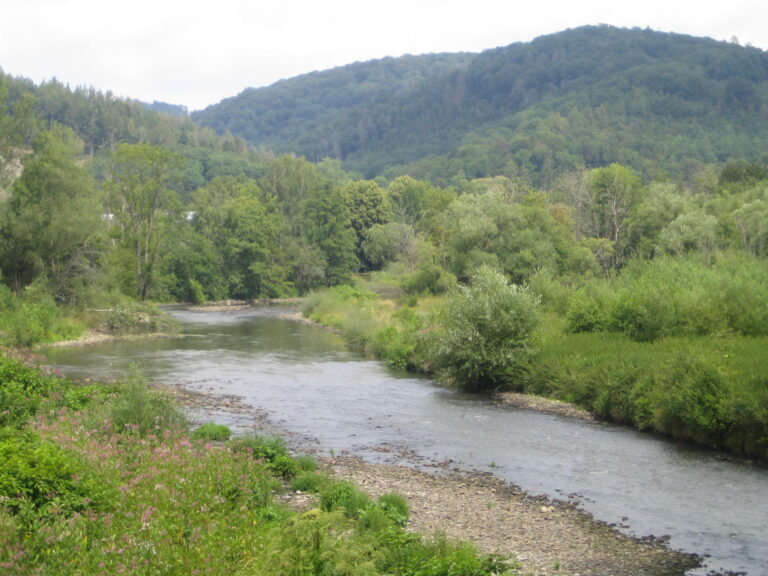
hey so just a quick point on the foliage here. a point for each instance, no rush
(33, 319)
(73, 502)
(39, 478)
(395, 506)
(23, 391)
(485, 339)
(344, 496)
(50, 232)
(142, 411)
(212, 432)
(701, 389)
(579, 99)
(145, 208)
(665, 297)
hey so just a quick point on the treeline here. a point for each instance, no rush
(191, 223)
(662, 104)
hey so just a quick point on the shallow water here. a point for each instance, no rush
(311, 385)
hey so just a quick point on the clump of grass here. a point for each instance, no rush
(212, 432)
(140, 410)
(309, 481)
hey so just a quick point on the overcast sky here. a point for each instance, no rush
(197, 53)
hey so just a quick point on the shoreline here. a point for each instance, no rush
(547, 537)
(542, 404)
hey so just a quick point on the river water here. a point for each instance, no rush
(310, 385)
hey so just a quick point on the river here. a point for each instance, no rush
(310, 385)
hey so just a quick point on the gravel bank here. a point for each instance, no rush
(548, 538)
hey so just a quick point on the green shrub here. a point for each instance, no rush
(358, 328)
(374, 519)
(485, 338)
(395, 506)
(691, 402)
(430, 279)
(22, 391)
(309, 481)
(283, 466)
(265, 448)
(586, 313)
(212, 432)
(306, 463)
(28, 321)
(37, 475)
(138, 409)
(411, 554)
(342, 495)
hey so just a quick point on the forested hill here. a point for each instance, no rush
(661, 103)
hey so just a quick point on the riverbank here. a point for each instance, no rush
(547, 537)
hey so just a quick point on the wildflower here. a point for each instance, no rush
(147, 515)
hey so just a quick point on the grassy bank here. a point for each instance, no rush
(34, 319)
(109, 480)
(710, 389)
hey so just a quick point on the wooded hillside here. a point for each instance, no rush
(663, 104)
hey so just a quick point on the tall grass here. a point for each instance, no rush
(676, 297)
(31, 320)
(711, 391)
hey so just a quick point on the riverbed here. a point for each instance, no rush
(305, 381)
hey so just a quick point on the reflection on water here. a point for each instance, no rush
(310, 384)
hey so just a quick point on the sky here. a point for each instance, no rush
(197, 53)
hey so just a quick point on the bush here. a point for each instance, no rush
(36, 475)
(22, 391)
(141, 410)
(306, 463)
(485, 340)
(395, 506)
(431, 279)
(309, 481)
(211, 432)
(266, 448)
(344, 496)
(25, 322)
(586, 313)
(284, 466)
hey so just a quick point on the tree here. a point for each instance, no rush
(291, 180)
(54, 219)
(485, 340)
(252, 257)
(326, 225)
(368, 206)
(389, 242)
(144, 208)
(752, 223)
(692, 231)
(615, 191)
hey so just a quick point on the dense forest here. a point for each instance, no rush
(615, 178)
(663, 104)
